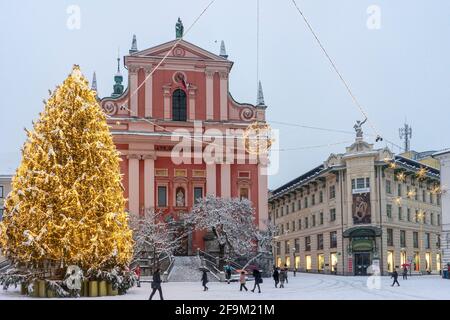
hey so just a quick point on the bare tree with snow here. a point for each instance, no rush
(231, 220)
(154, 236)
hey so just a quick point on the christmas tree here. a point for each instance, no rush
(67, 206)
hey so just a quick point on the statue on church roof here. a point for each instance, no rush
(179, 28)
(358, 128)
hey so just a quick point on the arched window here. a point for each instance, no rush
(179, 105)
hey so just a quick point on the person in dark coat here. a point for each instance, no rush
(258, 280)
(156, 284)
(228, 272)
(286, 273)
(395, 276)
(282, 277)
(276, 277)
(405, 273)
(205, 280)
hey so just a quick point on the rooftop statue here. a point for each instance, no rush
(358, 128)
(179, 29)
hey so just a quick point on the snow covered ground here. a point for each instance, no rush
(301, 287)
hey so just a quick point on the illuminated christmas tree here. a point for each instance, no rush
(67, 206)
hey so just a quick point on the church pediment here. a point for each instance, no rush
(183, 49)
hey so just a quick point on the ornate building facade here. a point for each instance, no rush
(175, 90)
(360, 210)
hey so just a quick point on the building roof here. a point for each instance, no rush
(402, 162)
(441, 152)
(298, 181)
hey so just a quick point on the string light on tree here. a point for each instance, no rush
(66, 206)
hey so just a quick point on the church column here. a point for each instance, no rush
(133, 71)
(263, 198)
(133, 183)
(149, 181)
(148, 92)
(209, 95)
(225, 180)
(192, 93)
(223, 96)
(166, 90)
(211, 179)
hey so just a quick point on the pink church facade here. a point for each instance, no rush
(188, 91)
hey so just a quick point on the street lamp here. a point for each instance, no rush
(420, 216)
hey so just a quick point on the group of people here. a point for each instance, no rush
(280, 276)
(156, 281)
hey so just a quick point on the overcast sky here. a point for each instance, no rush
(399, 70)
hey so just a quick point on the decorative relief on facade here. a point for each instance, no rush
(163, 148)
(209, 73)
(244, 174)
(161, 173)
(179, 52)
(133, 68)
(223, 75)
(110, 108)
(180, 78)
(198, 174)
(247, 114)
(180, 173)
(148, 69)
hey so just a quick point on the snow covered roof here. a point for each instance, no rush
(298, 181)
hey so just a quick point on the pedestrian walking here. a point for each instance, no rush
(227, 268)
(395, 276)
(282, 277)
(137, 270)
(242, 281)
(156, 284)
(205, 280)
(286, 275)
(276, 277)
(405, 273)
(295, 271)
(258, 280)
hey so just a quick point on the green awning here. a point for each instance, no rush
(366, 231)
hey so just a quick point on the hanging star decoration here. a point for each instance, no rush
(390, 162)
(422, 173)
(411, 194)
(398, 200)
(401, 176)
(258, 138)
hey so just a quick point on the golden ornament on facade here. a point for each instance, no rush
(258, 138)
